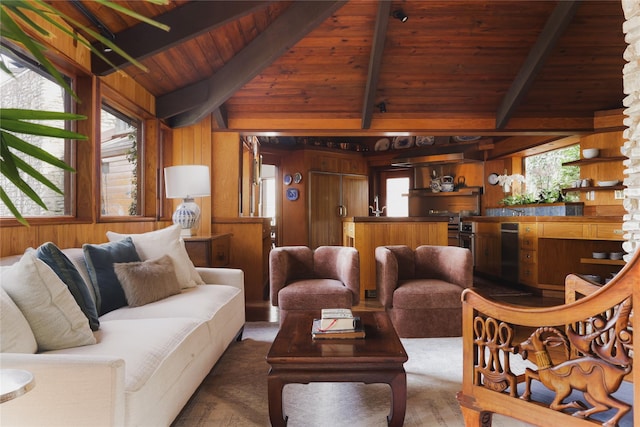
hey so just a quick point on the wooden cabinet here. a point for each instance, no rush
(487, 248)
(209, 251)
(365, 234)
(337, 162)
(333, 197)
(528, 245)
(250, 245)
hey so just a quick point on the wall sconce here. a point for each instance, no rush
(400, 15)
(382, 107)
(186, 182)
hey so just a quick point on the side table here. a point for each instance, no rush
(14, 383)
(209, 251)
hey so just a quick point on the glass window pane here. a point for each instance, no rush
(32, 89)
(545, 175)
(397, 197)
(119, 185)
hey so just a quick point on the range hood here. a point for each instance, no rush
(438, 159)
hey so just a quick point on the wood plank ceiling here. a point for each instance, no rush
(499, 68)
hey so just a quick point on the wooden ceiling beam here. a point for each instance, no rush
(553, 29)
(189, 105)
(375, 62)
(186, 22)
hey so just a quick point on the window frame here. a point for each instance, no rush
(123, 113)
(70, 157)
(153, 148)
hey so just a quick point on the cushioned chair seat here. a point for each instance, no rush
(427, 294)
(326, 293)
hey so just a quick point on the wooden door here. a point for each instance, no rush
(325, 223)
(355, 195)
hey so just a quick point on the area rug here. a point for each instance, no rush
(235, 392)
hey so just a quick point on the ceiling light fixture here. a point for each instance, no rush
(382, 107)
(399, 14)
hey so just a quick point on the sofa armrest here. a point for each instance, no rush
(222, 276)
(70, 390)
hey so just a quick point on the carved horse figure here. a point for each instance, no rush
(596, 378)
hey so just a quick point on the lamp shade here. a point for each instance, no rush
(187, 181)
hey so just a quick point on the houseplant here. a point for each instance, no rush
(15, 15)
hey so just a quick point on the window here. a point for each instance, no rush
(398, 196)
(120, 183)
(31, 88)
(545, 175)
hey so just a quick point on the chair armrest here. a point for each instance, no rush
(348, 271)
(70, 390)
(386, 275)
(222, 276)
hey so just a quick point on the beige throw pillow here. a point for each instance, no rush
(147, 281)
(15, 333)
(166, 241)
(45, 301)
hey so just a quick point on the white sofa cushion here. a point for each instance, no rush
(45, 301)
(166, 241)
(15, 333)
(201, 302)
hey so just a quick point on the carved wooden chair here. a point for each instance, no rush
(511, 365)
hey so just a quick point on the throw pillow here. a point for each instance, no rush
(147, 281)
(166, 241)
(16, 335)
(67, 272)
(100, 259)
(53, 315)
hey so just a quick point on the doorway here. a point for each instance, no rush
(268, 199)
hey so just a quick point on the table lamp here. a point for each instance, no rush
(186, 182)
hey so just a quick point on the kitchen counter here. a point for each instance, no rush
(434, 218)
(578, 219)
(367, 233)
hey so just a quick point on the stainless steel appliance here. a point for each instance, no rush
(509, 250)
(467, 237)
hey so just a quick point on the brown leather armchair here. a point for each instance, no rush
(305, 279)
(421, 289)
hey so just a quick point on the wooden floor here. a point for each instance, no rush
(263, 310)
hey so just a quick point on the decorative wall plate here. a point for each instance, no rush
(287, 179)
(425, 140)
(465, 138)
(297, 178)
(382, 144)
(402, 142)
(292, 194)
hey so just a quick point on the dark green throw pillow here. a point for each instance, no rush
(100, 260)
(51, 255)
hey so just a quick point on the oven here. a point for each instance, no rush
(468, 238)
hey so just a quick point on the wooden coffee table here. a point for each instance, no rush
(295, 357)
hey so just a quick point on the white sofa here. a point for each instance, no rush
(146, 364)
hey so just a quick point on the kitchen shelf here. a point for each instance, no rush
(611, 187)
(595, 160)
(604, 261)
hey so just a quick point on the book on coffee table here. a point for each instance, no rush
(337, 319)
(356, 332)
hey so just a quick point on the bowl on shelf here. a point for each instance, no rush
(599, 255)
(616, 255)
(590, 153)
(608, 183)
(592, 277)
